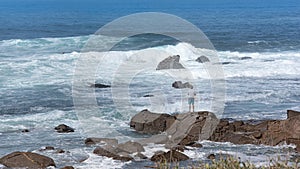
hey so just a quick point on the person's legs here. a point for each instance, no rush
(190, 104)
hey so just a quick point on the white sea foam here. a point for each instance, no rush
(95, 162)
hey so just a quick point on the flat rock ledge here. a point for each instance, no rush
(26, 160)
(123, 152)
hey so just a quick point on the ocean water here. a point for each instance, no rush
(41, 42)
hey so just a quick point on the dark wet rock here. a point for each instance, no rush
(130, 147)
(292, 113)
(195, 144)
(172, 62)
(60, 151)
(148, 95)
(170, 156)
(25, 131)
(151, 123)
(295, 142)
(49, 148)
(245, 58)
(227, 63)
(110, 152)
(268, 60)
(257, 134)
(67, 167)
(26, 160)
(180, 85)
(202, 59)
(108, 141)
(62, 128)
(211, 156)
(141, 156)
(179, 148)
(99, 85)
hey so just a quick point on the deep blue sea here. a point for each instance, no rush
(41, 41)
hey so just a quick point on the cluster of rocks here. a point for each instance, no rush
(176, 132)
(268, 132)
(190, 127)
(34, 160)
(181, 130)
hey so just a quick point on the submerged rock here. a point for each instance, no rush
(99, 85)
(62, 128)
(26, 160)
(107, 141)
(148, 95)
(245, 58)
(25, 131)
(172, 62)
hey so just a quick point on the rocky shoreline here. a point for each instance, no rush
(175, 132)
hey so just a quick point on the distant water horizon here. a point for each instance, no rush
(231, 26)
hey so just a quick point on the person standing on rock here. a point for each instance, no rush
(191, 99)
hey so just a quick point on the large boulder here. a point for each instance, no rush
(170, 156)
(123, 151)
(26, 160)
(109, 151)
(130, 147)
(180, 85)
(172, 62)
(151, 123)
(185, 130)
(202, 59)
(191, 127)
(62, 128)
